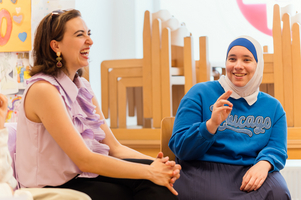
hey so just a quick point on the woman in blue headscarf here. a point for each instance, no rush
(230, 138)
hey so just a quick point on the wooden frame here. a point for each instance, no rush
(123, 84)
(283, 68)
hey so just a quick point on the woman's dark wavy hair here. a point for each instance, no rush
(52, 27)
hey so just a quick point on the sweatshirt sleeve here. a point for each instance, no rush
(6, 171)
(190, 139)
(276, 150)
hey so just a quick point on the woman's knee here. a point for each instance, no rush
(278, 187)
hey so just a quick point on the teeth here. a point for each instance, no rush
(239, 75)
(85, 51)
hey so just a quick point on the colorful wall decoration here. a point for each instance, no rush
(15, 25)
(14, 68)
(14, 102)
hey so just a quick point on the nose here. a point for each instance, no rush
(89, 41)
(238, 65)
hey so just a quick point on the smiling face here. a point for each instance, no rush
(75, 45)
(240, 65)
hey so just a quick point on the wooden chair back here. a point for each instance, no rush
(166, 132)
(283, 69)
(167, 49)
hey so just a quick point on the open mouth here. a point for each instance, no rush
(85, 52)
(239, 75)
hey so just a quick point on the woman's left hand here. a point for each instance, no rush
(172, 164)
(255, 176)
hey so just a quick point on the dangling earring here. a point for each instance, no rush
(58, 64)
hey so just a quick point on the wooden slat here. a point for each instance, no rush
(288, 70)
(104, 90)
(139, 105)
(156, 73)
(122, 63)
(268, 57)
(137, 134)
(113, 99)
(189, 63)
(147, 66)
(166, 132)
(278, 67)
(113, 76)
(296, 63)
(270, 87)
(268, 67)
(268, 78)
(265, 49)
(130, 96)
(294, 142)
(204, 67)
(177, 95)
(106, 65)
(123, 83)
(177, 56)
(146, 140)
(268, 71)
(166, 75)
(146, 144)
(294, 133)
(294, 153)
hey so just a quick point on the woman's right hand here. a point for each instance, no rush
(221, 110)
(165, 173)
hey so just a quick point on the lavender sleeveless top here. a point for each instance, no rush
(39, 159)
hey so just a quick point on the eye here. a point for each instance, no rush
(89, 33)
(231, 59)
(248, 60)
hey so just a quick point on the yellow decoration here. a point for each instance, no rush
(15, 25)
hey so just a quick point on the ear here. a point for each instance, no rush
(55, 46)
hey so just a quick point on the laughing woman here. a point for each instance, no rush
(62, 138)
(229, 137)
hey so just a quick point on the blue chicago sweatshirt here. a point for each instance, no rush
(248, 135)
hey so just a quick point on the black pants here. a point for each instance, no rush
(201, 180)
(103, 188)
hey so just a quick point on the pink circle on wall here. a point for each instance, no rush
(256, 14)
(5, 14)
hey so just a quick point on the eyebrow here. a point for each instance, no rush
(82, 31)
(243, 55)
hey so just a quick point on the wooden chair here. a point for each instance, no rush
(109, 99)
(106, 66)
(150, 89)
(178, 53)
(155, 46)
(283, 69)
(118, 90)
(166, 132)
(192, 72)
(167, 50)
